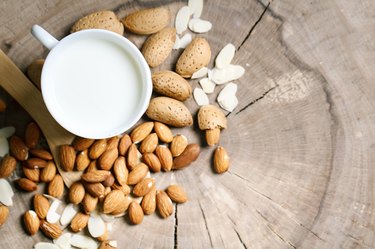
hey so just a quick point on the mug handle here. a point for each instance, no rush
(44, 37)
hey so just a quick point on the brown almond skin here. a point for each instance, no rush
(81, 143)
(18, 148)
(147, 21)
(4, 213)
(7, 166)
(164, 204)
(144, 187)
(169, 111)
(32, 135)
(82, 160)
(124, 144)
(79, 222)
(107, 159)
(189, 155)
(95, 176)
(135, 213)
(172, 85)
(94, 189)
(56, 187)
(165, 157)
(41, 206)
(176, 193)
(108, 182)
(137, 174)
(159, 46)
(112, 201)
(42, 154)
(76, 193)
(48, 173)
(31, 174)
(221, 160)
(149, 144)
(164, 133)
(132, 158)
(89, 203)
(120, 170)
(97, 148)
(113, 142)
(141, 132)
(152, 161)
(149, 202)
(67, 156)
(196, 55)
(35, 163)
(124, 188)
(178, 145)
(26, 184)
(52, 231)
(31, 222)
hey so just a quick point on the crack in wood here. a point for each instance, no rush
(255, 100)
(206, 225)
(235, 230)
(253, 27)
(175, 228)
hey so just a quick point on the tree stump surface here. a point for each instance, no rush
(301, 140)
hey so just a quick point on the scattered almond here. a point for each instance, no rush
(56, 187)
(107, 159)
(4, 213)
(189, 155)
(7, 166)
(122, 207)
(97, 148)
(17, 148)
(124, 144)
(120, 170)
(164, 133)
(35, 163)
(108, 182)
(89, 203)
(48, 173)
(152, 161)
(178, 145)
(79, 222)
(32, 135)
(165, 157)
(164, 204)
(137, 174)
(26, 184)
(96, 176)
(81, 143)
(141, 132)
(144, 187)
(52, 231)
(112, 201)
(82, 160)
(31, 174)
(113, 142)
(41, 206)
(135, 213)
(149, 202)
(149, 144)
(67, 156)
(42, 154)
(95, 189)
(133, 158)
(31, 222)
(124, 188)
(212, 136)
(92, 166)
(221, 160)
(176, 193)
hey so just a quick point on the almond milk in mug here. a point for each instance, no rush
(95, 83)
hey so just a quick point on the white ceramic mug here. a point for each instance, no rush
(95, 83)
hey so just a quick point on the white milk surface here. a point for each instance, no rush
(96, 85)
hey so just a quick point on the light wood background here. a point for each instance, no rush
(301, 140)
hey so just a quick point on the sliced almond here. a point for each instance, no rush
(200, 73)
(82, 241)
(96, 226)
(182, 19)
(198, 25)
(68, 214)
(200, 97)
(207, 85)
(53, 215)
(176, 44)
(225, 56)
(4, 146)
(6, 193)
(196, 7)
(108, 244)
(63, 242)
(227, 74)
(227, 97)
(7, 132)
(46, 245)
(185, 41)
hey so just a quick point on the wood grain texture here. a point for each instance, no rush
(301, 140)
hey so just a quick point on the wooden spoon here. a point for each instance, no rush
(30, 98)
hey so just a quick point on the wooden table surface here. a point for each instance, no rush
(301, 141)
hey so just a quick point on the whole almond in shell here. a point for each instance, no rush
(149, 202)
(52, 231)
(32, 135)
(196, 55)
(221, 160)
(120, 170)
(56, 186)
(94, 189)
(159, 46)
(124, 188)
(164, 204)
(95, 176)
(141, 132)
(176, 193)
(135, 213)
(89, 203)
(164, 133)
(35, 163)
(144, 187)
(133, 156)
(48, 173)
(149, 143)
(97, 148)
(18, 149)
(189, 155)
(34, 72)
(124, 144)
(82, 160)
(147, 21)
(113, 142)
(178, 145)
(42, 154)
(7, 166)
(79, 222)
(172, 85)
(26, 184)
(107, 159)
(112, 201)
(4, 213)
(212, 136)
(99, 20)
(211, 117)
(165, 157)
(169, 111)
(31, 221)
(41, 206)
(31, 174)
(152, 161)
(80, 143)
(137, 174)
(67, 156)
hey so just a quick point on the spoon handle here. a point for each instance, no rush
(30, 98)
